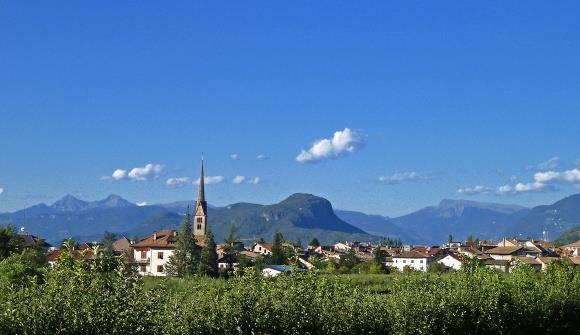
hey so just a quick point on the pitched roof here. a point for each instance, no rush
(500, 262)
(265, 245)
(411, 254)
(503, 250)
(575, 260)
(573, 245)
(547, 260)
(159, 239)
(527, 260)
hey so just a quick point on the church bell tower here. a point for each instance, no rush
(200, 214)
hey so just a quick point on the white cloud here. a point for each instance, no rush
(177, 182)
(550, 164)
(261, 157)
(569, 176)
(119, 174)
(234, 157)
(475, 190)
(147, 172)
(505, 189)
(401, 177)
(255, 180)
(543, 181)
(238, 179)
(1, 190)
(342, 142)
(522, 188)
(209, 180)
(141, 204)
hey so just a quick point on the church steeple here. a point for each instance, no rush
(201, 191)
(200, 213)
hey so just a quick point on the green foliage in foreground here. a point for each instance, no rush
(106, 297)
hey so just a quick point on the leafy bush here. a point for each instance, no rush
(106, 297)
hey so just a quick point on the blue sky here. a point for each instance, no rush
(428, 99)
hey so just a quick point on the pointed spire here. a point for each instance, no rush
(201, 191)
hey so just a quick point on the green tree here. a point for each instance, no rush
(183, 261)
(436, 267)
(231, 247)
(208, 265)
(278, 256)
(107, 242)
(349, 260)
(9, 241)
(314, 243)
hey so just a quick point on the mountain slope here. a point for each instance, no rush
(569, 236)
(301, 216)
(376, 225)
(555, 218)
(459, 218)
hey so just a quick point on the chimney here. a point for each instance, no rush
(155, 236)
(175, 233)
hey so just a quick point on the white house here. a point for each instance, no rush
(262, 248)
(573, 248)
(342, 247)
(152, 253)
(452, 261)
(274, 270)
(413, 259)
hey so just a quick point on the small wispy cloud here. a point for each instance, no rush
(475, 190)
(341, 143)
(522, 188)
(254, 181)
(401, 177)
(147, 172)
(178, 182)
(141, 204)
(238, 179)
(234, 157)
(1, 190)
(569, 176)
(210, 180)
(261, 157)
(549, 164)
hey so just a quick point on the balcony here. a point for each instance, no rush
(142, 261)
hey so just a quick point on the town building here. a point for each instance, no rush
(452, 261)
(264, 249)
(412, 259)
(152, 253)
(573, 249)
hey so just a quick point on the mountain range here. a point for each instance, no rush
(299, 217)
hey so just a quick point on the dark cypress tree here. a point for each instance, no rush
(277, 252)
(314, 243)
(182, 262)
(108, 241)
(208, 258)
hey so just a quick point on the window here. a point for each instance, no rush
(404, 261)
(421, 261)
(199, 220)
(412, 261)
(159, 268)
(198, 226)
(143, 268)
(143, 254)
(160, 255)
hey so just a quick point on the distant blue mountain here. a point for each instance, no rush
(460, 218)
(300, 216)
